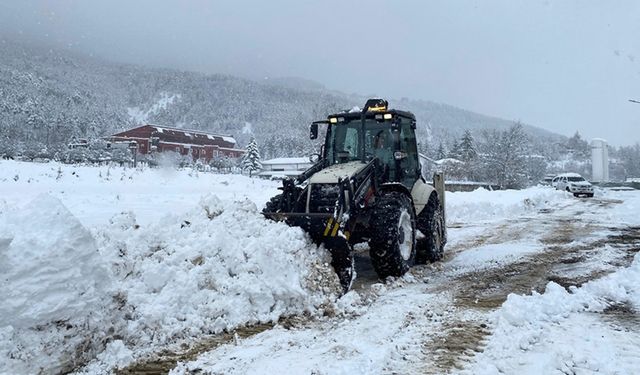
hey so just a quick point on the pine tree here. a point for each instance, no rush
(441, 153)
(469, 156)
(467, 147)
(454, 152)
(251, 158)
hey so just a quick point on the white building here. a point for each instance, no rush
(599, 160)
(284, 167)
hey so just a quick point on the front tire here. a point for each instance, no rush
(393, 240)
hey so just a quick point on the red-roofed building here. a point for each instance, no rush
(198, 144)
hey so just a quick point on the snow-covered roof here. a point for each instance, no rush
(226, 138)
(569, 174)
(287, 161)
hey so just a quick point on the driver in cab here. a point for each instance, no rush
(382, 147)
(382, 150)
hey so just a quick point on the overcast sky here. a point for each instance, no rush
(560, 65)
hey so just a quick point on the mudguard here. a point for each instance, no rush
(420, 193)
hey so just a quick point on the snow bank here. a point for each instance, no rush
(482, 204)
(67, 294)
(222, 266)
(52, 288)
(563, 331)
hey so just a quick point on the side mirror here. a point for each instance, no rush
(313, 131)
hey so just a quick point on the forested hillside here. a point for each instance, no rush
(48, 97)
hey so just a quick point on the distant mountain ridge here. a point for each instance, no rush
(47, 97)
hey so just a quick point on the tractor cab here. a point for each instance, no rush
(376, 133)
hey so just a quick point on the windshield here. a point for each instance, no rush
(575, 179)
(344, 144)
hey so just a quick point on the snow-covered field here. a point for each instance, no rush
(104, 267)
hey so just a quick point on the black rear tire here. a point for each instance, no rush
(393, 239)
(430, 248)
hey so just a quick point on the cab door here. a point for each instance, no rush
(406, 155)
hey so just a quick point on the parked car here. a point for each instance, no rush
(546, 181)
(573, 183)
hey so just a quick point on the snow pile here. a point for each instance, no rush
(220, 267)
(565, 331)
(482, 204)
(67, 294)
(52, 288)
(225, 265)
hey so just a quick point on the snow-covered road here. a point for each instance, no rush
(475, 312)
(533, 281)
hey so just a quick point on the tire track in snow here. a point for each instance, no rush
(563, 258)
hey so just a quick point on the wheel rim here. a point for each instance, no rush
(404, 235)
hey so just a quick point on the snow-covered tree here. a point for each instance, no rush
(441, 153)
(505, 156)
(468, 155)
(578, 146)
(251, 158)
(454, 150)
(467, 147)
(629, 157)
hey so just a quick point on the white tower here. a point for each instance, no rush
(599, 160)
